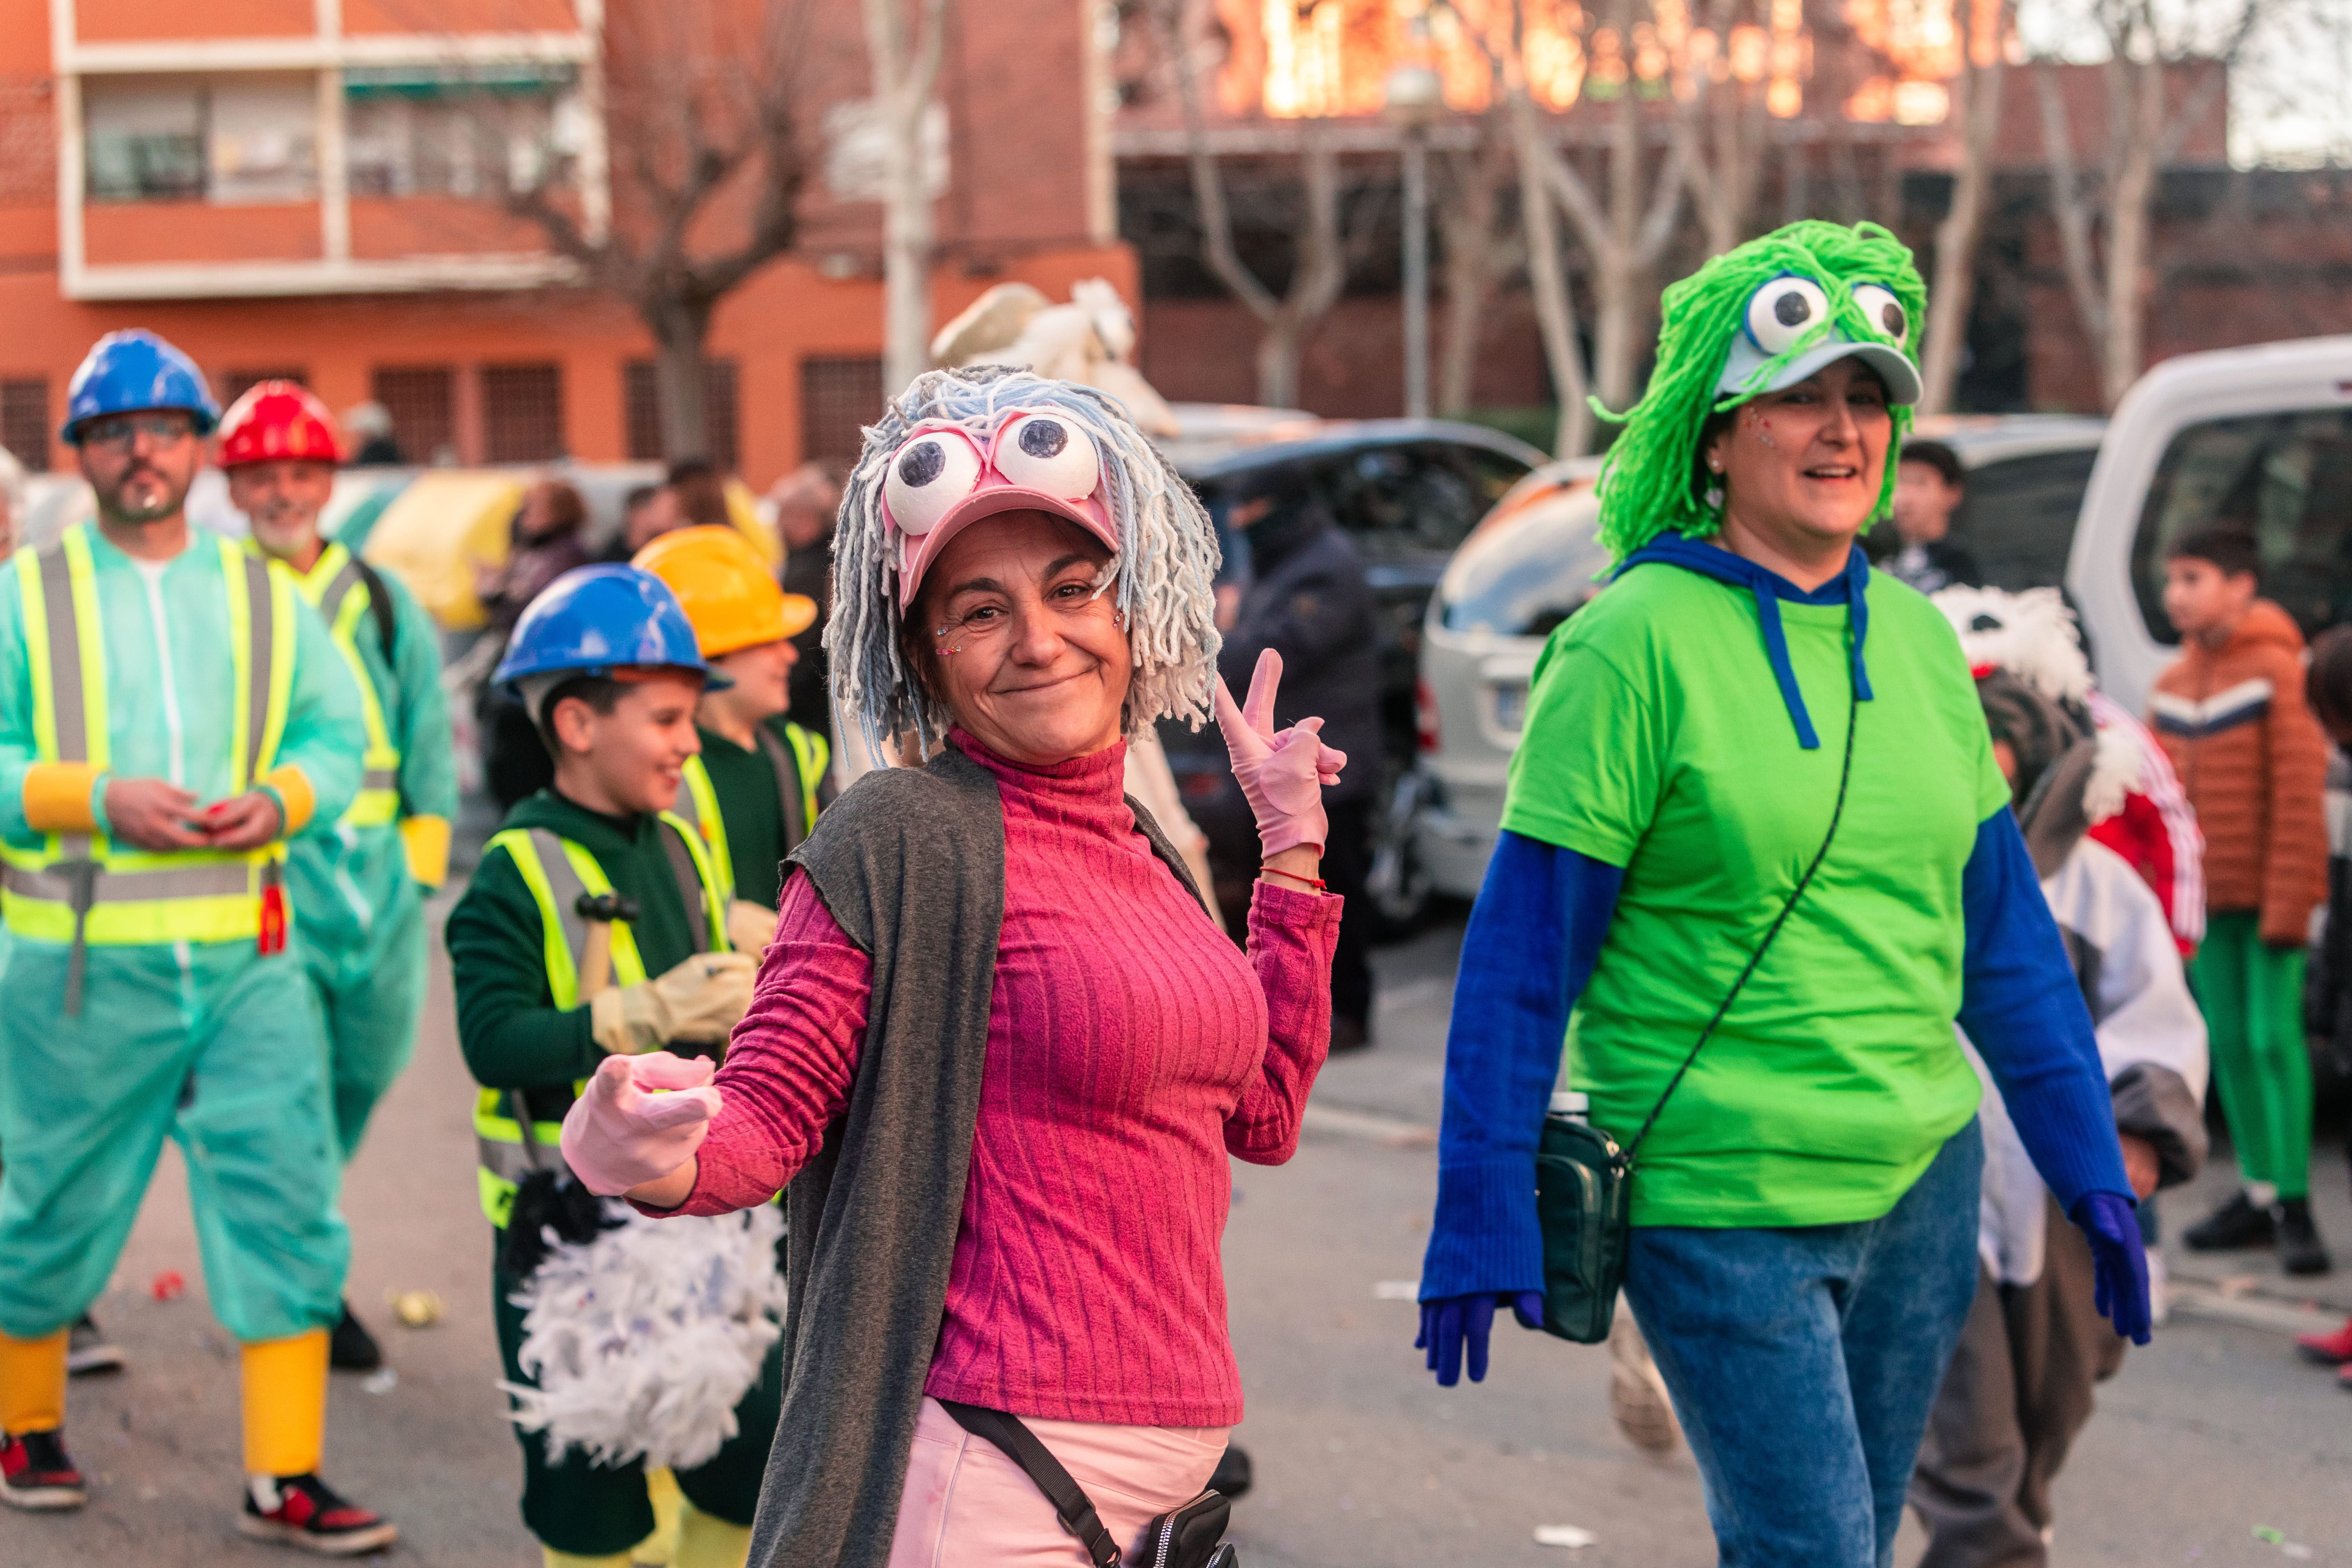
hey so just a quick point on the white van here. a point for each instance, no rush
(2260, 437)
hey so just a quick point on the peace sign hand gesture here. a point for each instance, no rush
(1282, 773)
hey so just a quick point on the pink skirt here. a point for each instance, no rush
(967, 1505)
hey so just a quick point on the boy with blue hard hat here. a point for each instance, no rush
(170, 715)
(597, 925)
(358, 885)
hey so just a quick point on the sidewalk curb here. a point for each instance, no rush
(1366, 1126)
(2250, 1309)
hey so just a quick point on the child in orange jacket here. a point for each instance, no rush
(2231, 714)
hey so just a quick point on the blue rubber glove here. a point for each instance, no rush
(2108, 1223)
(1451, 1322)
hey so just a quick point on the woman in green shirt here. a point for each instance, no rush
(1751, 699)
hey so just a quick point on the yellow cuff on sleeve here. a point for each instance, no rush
(426, 840)
(56, 797)
(294, 795)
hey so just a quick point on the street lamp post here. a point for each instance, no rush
(1414, 95)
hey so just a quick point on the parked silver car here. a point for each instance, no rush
(1536, 559)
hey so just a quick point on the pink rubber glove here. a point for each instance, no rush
(623, 1133)
(1282, 775)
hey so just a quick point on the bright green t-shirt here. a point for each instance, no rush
(1657, 741)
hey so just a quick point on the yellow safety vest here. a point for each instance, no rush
(335, 586)
(82, 887)
(805, 765)
(561, 875)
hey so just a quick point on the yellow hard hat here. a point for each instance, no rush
(728, 591)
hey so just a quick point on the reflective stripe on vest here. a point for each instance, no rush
(80, 888)
(334, 586)
(797, 773)
(560, 875)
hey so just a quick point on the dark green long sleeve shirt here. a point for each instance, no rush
(751, 802)
(513, 1035)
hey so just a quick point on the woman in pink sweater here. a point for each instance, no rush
(998, 1051)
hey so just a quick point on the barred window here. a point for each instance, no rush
(641, 412)
(25, 421)
(839, 397)
(523, 413)
(422, 402)
(235, 383)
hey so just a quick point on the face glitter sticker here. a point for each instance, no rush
(1883, 310)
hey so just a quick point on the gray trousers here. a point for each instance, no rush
(2018, 1393)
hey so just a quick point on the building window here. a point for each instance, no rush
(839, 397)
(423, 403)
(641, 411)
(473, 131)
(25, 421)
(523, 413)
(250, 137)
(235, 383)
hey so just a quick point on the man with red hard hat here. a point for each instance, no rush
(358, 887)
(173, 717)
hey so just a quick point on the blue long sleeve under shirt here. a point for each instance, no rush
(1535, 935)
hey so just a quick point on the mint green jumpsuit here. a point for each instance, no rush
(185, 1028)
(360, 911)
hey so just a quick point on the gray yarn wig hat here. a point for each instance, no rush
(1160, 578)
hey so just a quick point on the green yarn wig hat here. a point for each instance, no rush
(1650, 484)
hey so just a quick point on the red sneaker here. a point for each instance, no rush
(304, 1511)
(36, 1472)
(2332, 1349)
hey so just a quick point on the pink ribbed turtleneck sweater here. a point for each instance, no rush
(1130, 1048)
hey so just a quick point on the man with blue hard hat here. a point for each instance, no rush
(170, 713)
(595, 926)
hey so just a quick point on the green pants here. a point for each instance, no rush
(370, 997)
(210, 1045)
(595, 1511)
(2252, 997)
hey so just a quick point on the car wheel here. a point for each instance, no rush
(1398, 883)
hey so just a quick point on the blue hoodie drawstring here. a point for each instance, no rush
(1849, 587)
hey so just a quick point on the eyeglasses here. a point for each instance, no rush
(117, 432)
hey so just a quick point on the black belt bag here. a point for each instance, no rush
(1584, 1181)
(1191, 1536)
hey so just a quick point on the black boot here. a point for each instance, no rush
(2236, 1225)
(351, 1348)
(2299, 1248)
(1233, 1472)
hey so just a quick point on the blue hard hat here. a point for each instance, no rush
(593, 620)
(127, 372)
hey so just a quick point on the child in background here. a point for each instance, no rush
(2230, 714)
(2327, 685)
(2019, 1390)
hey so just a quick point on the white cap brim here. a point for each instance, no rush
(1893, 365)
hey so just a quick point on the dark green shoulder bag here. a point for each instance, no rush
(1584, 1181)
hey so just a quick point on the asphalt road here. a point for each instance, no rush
(2213, 1433)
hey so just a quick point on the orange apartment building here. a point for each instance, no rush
(301, 187)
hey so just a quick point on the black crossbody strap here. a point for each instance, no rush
(1837, 813)
(1021, 1445)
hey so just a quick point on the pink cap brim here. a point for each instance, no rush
(987, 501)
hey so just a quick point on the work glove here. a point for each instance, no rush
(640, 1118)
(2112, 1230)
(700, 1001)
(1282, 774)
(1451, 1322)
(750, 926)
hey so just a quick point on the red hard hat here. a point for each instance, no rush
(278, 420)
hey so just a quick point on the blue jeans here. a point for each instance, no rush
(1803, 1361)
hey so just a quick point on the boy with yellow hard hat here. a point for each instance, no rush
(760, 780)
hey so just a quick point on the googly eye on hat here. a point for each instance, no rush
(940, 481)
(1781, 313)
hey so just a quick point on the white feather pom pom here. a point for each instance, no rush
(645, 1339)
